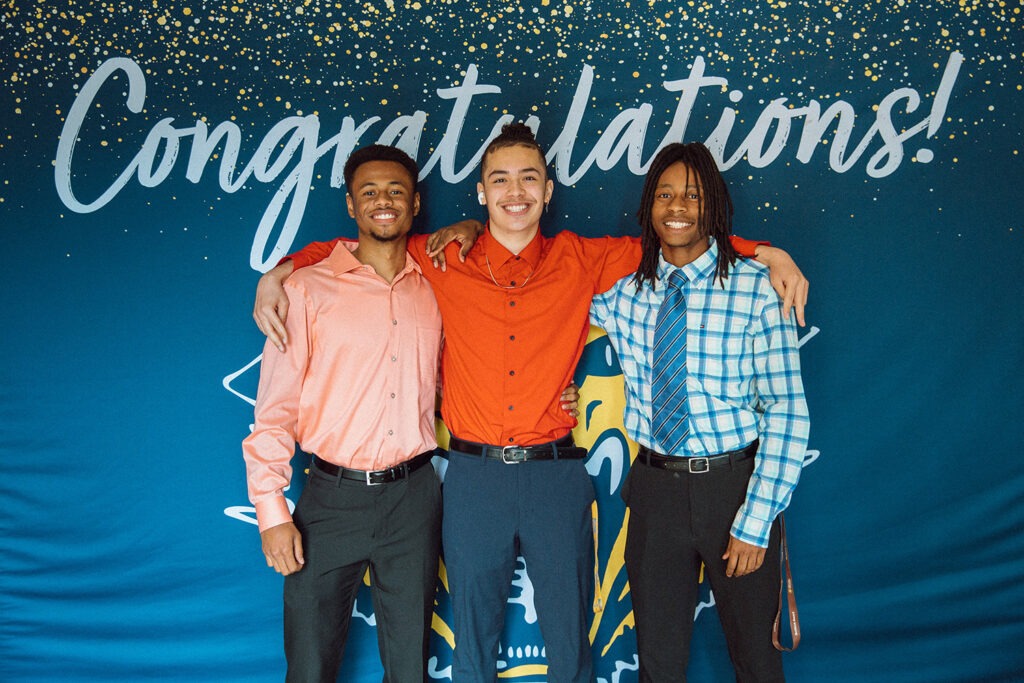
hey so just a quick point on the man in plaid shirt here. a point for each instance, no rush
(715, 401)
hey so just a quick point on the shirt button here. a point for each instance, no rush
(391, 432)
(511, 372)
(511, 440)
(511, 303)
(512, 337)
(511, 407)
(394, 358)
(394, 322)
(513, 283)
(392, 394)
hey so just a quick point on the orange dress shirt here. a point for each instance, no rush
(515, 327)
(357, 382)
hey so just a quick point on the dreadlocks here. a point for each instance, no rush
(714, 208)
(512, 134)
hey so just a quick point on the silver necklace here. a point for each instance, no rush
(495, 281)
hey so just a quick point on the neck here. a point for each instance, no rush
(386, 258)
(681, 256)
(514, 241)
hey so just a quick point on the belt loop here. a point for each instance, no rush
(554, 450)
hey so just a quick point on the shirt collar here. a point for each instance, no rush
(342, 260)
(700, 268)
(497, 254)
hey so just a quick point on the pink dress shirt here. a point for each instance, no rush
(357, 382)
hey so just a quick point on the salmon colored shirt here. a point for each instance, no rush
(515, 327)
(357, 382)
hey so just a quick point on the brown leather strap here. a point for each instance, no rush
(786, 585)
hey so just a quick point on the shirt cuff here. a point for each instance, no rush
(272, 512)
(751, 530)
(747, 248)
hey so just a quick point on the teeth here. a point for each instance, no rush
(677, 224)
(515, 208)
(384, 216)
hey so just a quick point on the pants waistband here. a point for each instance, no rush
(698, 465)
(560, 449)
(373, 478)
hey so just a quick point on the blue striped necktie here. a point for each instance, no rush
(669, 409)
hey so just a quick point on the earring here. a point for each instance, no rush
(480, 198)
(546, 205)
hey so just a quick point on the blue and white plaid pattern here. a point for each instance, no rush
(743, 378)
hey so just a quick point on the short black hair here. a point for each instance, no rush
(512, 134)
(380, 153)
(715, 208)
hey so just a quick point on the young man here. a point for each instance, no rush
(715, 401)
(356, 387)
(516, 320)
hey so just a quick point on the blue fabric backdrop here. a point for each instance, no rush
(154, 157)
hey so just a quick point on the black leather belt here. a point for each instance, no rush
(377, 477)
(695, 465)
(562, 449)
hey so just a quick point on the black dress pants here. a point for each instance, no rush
(677, 521)
(347, 526)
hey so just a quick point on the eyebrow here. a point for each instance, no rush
(507, 172)
(371, 183)
(688, 187)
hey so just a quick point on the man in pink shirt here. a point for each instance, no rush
(356, 387)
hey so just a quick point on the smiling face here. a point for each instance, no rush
(382, 201)
(676, 215)
(516, 188)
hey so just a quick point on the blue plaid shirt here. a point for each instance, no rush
(743, 376)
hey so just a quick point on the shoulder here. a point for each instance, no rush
(305, 279)
(748, 274)
(624, 291)
(567, 238)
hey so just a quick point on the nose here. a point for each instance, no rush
(679, 203)
(383, 199)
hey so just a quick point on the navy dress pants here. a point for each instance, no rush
(495, 511)
(347, 526)
(676, 521)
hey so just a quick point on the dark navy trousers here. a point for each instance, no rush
(493, 512)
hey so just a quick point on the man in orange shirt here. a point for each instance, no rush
(516, 315)
(357, 388)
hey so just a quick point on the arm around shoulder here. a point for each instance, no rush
(787, 280)
(271, 308)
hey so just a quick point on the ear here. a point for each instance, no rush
(351, 206)
(416, 204)
(549, 189)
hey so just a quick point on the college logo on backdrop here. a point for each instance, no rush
(521, 658)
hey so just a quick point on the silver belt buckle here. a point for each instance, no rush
(698, 465)
(386, 476)
(505, 454)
